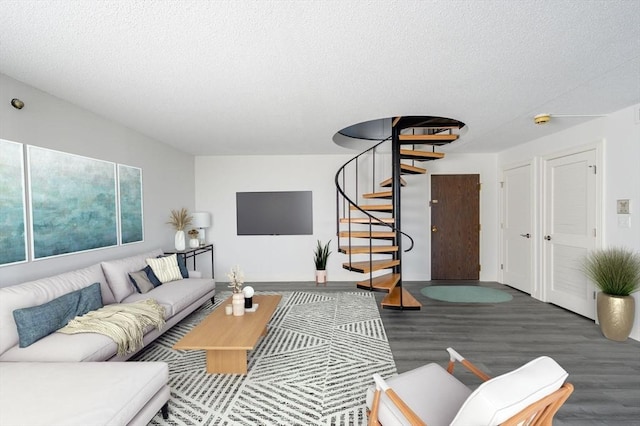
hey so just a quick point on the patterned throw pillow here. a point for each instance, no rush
(165, 268)
(141, 281)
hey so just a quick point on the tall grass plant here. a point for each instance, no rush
(615, 270)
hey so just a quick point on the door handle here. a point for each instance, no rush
(434, 228)
(548, 238)
(526, 235)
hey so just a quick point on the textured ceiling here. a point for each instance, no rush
(271, 77)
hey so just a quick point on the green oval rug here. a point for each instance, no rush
(465, 294)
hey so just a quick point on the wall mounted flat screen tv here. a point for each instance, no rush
(274, 213)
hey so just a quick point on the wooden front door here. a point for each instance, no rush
(455, 227)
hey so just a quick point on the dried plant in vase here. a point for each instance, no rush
(193, 233)
(180, 219)
(236, 279)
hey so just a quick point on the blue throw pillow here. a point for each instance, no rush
(36, 322)
(182, 264)
(152, 277)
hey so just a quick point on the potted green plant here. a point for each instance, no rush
(616, 272)
(321, 255)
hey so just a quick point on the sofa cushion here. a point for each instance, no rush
(41, 291)
(165, 268)
(177, 295)
(117, 273)
(500, 398)
(38, 321)
(140, 281)
(94, 393)
(58, 347)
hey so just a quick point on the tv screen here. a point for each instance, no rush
(274, 213)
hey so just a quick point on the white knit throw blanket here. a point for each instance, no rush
(125, 323)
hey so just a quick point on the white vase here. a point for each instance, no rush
(238, 304)
(194, 243)
(179, 240)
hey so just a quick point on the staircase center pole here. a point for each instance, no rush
(395, 200)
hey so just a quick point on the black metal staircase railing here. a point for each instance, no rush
(348, 204)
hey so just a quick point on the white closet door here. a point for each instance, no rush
(517, 229)
(570, 230)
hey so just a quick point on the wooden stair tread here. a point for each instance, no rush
(420, 155)
(367, 234)
(431, 128)
(367, 249)
(366, 266)
(367, 220)
(409, 169)
(436, 137)
(382, 283)
(392, 300)
(383, 194)
(387, 182)
(374, 207)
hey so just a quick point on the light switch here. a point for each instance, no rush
(623, 206)
(624, 221)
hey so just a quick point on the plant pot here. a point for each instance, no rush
(194, 243)
(238, 304)
(179, 240)
(615, 315)
(321, 277)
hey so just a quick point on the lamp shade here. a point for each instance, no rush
(201, 219)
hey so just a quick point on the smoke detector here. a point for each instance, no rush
(542, 118)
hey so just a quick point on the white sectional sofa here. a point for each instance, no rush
(82, 393)
(179, 298)
(57, 352)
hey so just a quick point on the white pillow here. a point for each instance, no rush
(165, 268)
(502, 397)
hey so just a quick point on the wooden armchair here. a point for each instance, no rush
(430, 395)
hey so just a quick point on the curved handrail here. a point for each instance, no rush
(352, 203)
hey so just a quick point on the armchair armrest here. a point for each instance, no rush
(455, 356)
(382, 386)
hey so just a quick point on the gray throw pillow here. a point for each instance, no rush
(141, 281)
(36, 322)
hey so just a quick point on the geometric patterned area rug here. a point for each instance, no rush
(466, 294)
(312, 368)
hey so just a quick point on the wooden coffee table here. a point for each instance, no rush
(227, 338)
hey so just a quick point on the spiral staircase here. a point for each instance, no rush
(369, 227)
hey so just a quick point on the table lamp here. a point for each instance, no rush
(201, 220)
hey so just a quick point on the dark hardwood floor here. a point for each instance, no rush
(500, 337)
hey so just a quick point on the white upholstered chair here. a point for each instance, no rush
(432, 396)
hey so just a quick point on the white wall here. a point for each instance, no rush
(620, 132)
(290, 258)
(416, 213)
(269, 258)
(50, 122)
